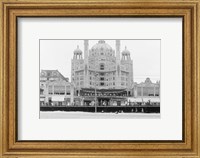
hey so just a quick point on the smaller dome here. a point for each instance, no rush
(125, 51)
(77, 50)
(148, 80)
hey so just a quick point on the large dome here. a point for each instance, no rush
(102, 46)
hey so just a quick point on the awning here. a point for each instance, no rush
(118, 99)
(156, 99)
(57, 98)
(89, 98)
(42, 99)
(152, 99)
(134, 99)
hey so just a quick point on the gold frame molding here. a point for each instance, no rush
(11, 9)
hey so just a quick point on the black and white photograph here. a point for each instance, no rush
(99, 78)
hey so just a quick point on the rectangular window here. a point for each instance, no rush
(59, 89)
(102, 78)
(50, 90)
(102, 67)
(102, 83)
(81, 77)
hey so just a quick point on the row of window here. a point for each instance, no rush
(58, 89)
(80, 73)
(81, 78)
(103, 74)
(107, 58)
(124, 84)
(77, 62)
(124, 78)
(148, 91)
(103, 84)
(124, 68)
(101, 78)
(78, 68)
(48, 74)
(79, 83)
(112, 68)
(107, 84)
(109, 53)
(124, 74)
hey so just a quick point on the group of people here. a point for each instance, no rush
(102, 103)
(92, 103)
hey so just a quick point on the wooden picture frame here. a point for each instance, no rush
(187, 9)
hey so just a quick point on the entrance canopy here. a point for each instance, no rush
(103, 92)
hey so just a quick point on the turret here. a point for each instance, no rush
(78, 53)
(126, 54)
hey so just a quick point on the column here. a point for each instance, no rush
(142, 91)
(118, 69)
(135, 92)
(118, 51)
(154, 91)
(46, 93)
(86, 72)
(71, 94)
(82, 102)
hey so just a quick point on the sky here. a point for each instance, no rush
(56, 54)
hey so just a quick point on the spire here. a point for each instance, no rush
(77, 53)
(86, 49)
(118, 50)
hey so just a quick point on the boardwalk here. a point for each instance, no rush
(87, 115)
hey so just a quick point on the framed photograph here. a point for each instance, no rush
(99, 79)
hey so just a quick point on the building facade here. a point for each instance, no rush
(55, 89)
(146, 92)
(147, 89)
(102, 67)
